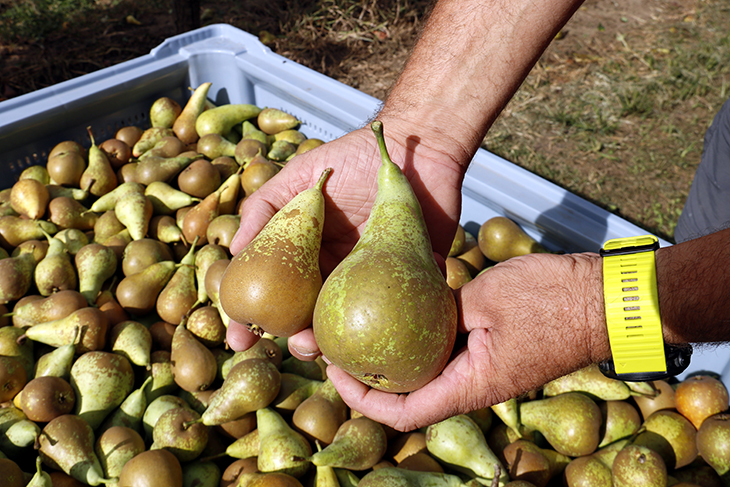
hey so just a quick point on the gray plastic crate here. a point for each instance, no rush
(243, 70)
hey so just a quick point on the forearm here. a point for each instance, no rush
(470, 60)
(694, 289)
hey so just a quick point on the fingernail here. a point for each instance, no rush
(326, 360)
(305, 352)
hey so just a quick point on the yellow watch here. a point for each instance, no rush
(632, 313)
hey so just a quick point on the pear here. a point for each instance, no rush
(194, 367)
(199, 179)
(165, 229)
(527, 461)
(106, 225)
(66, 212)
(671, 435)
(115, 447)
(320, 416)
(281, 449)
(589, 380)
(140, 254)
(137, 293)
(179, 295)
(29, 197)
(500, 238)
(13, 344)
(280, 265)
(165, 146)
(155, 168)
(273, 120)
(196, 220)
(552, 415)
(135, 210)
(201, 473)
(207, 326)
(16, 276)
(401, 477)
(204, 258)
(101, 381)
(166, 199)
(457, 273)
(67, 443)
(95, 264)
(247, 446)
(310, 369)
(46, 398)
(265, 348)
(294, 390)
(308, 145)
(281, 150)
(158, 468)
(164, 111)
(109, 200)
(98, 177)
(132, 340)
(163, 383)
(359, 444)
(73, 238)
(713, 442)
(246, 149)
(220, 120)
(86, 327)
(587, 471)
(66, 167)
(56, 306)
(638, 466)
(149, 139)
(130, 134)
(460, 443)
(58, 362)
(117, 152)
(56, 191)
(663, 398)
(15, 230)
(620, 420)
(178, 431)
(108, 304)
(230, 193)
(184, 125)
(40, 478)
(55, 272)
(256, 172)
(13, 377)
(249, 386)
(699, 397)
(213, 146)
(130, 412)
(385, 314)
(11, 472)
(156, 408)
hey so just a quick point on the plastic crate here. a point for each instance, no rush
(243, 70)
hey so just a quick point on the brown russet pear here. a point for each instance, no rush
(13, 378)
(16, 276)
(156, 168)
(86, 327)
(199, 179)
(195, 222)
(138, 292)
(67, 443)
(116, 446)
(129, 134)
(117, 152)
(214, 146)
(699, 397)
(272, 284)
(385, 314)
(140, 254)
(320, 416)
(194, 367)
(45, 398)
(500, 238)
(527, 461)
(66, 212)
(56, 306)
(184, 125)
(256, 172)
(29, 197)
(152, 468)
(99, 177)
(66, 163)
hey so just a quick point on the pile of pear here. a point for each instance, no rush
(114, 368)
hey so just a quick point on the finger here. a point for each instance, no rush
(303, 346)
(253, 218)
(239, 338)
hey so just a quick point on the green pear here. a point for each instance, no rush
(19, 438)
(570, 422)
(57, 362)
(179, 431)
(273, 120)
(95, 264)
(385, 314)
(14, 345)
(101, 381)
(73, 238)
(220, 120)
(204, 257)
(713, 440)
(156, 408)
(155, 168)
(460, 443)
(588, 471)
(86, 327)
(280, 265)
(638, 466)
(179, 296)
(55, 272)
(67, 443)
(294, 390)
(359, 444)
(130, 412)
(149, 139)
(163, 382)
(135, 210)
(15, 230)
(620, 420)
(509, 412)
(166, 199)
(250, 385)
(265, 348)
(99, 177)
(500, 238)
(109, 201)
(671, 435)
(247, 446)
(164, 111)
(133, 340)
(40, 478)
(164, 228)
(528, 462)
(201, 473)
(214, 145)
(401, 477)
(281, 448)
(589, 380)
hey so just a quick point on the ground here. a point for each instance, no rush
(615, 110)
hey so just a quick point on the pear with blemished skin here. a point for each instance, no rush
(386, 314)
(272, 284)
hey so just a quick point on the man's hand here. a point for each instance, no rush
(349, 194)
(524, 322)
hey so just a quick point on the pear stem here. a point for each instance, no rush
(377, 127)
(497, 474)
(188, 424)
(325, 174)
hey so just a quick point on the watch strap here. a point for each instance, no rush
(632, 305)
